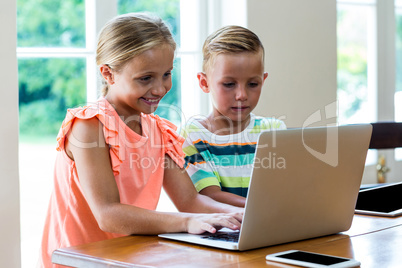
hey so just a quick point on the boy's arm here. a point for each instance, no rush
(217, 194)
(201, 173)
(203, 176)
(198, 168)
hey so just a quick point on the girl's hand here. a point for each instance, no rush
(200, 223)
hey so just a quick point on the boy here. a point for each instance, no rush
(220, 148)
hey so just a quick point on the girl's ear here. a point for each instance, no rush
(203, 82)
(107, 73)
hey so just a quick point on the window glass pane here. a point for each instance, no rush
(169, 11)
(169, 107)
(47, 87)
(398, 45)
(49, 23)
(355, 93)
(398, 60)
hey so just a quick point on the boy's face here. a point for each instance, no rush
(235, 82)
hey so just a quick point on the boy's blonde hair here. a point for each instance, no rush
(127, 36)
(229, 39)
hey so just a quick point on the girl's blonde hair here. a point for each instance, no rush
(127, 36)
(229, 39)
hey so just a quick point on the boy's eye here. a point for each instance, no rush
(229, 84)
(167, 74)
(253, 84)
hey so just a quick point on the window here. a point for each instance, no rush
(369, 60)
(52, 60)
(398, 45)
(398, 78)
(369, 69)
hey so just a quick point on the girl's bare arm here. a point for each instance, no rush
(86, 145)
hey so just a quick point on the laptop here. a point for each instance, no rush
(384, 200)
(304, 184)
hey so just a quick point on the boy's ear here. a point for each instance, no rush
(107, 73)
(265, 76)
(203, 82)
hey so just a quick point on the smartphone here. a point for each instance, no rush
(310, 259)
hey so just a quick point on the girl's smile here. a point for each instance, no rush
(154, 101)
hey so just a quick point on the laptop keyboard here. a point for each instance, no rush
(222, 236)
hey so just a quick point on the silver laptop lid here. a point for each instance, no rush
(304, 184)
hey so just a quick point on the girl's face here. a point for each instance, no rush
(235, 82)
(142, 83)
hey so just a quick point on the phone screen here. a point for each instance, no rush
(313, 258)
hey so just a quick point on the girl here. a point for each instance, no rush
(115, 155)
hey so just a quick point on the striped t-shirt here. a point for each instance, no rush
(223, 160)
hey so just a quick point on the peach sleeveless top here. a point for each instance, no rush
(137, 163)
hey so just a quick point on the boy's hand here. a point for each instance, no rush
(200, 223)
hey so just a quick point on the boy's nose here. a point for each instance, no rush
(241, 94)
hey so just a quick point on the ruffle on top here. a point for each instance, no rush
(172, 141)
(109, 118)
(101, 110)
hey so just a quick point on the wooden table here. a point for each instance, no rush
(374, 241)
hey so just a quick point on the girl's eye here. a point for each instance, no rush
(145, 78)
(167, 74)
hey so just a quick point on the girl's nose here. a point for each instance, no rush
(160, 89)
